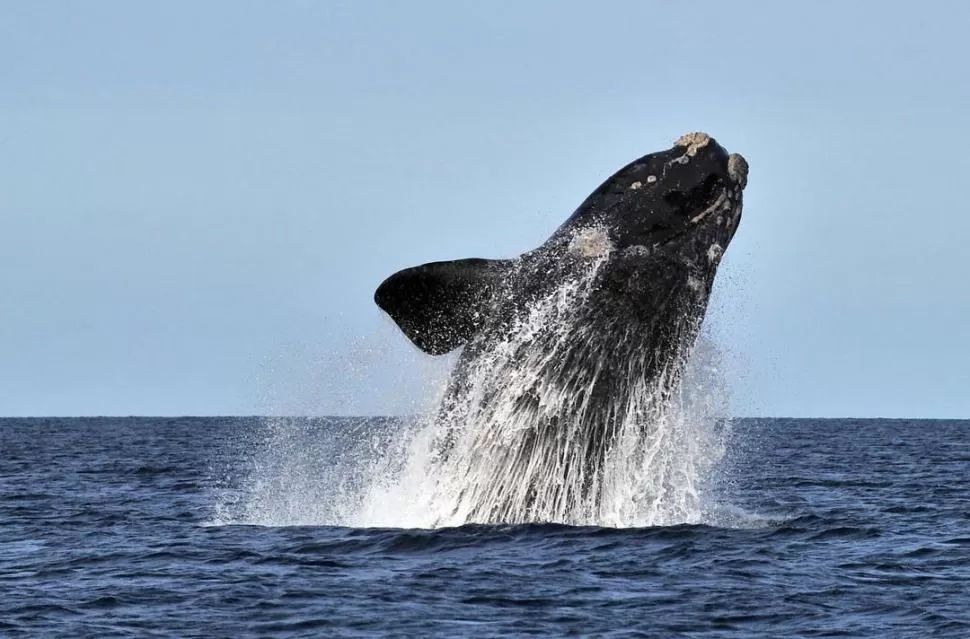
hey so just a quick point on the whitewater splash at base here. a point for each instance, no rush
(567, 402)
(516, 447)
(455, 464)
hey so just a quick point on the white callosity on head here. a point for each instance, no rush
(591, 243)
(651, 179)
(738, 169)
(636, 185)
(693, 141)
(715, 252)
(638, 250)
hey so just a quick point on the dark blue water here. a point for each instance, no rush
(850, 528)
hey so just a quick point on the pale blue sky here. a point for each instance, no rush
(197, 199)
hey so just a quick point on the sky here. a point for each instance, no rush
(197, 200)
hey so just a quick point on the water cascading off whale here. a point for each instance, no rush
(571, 350)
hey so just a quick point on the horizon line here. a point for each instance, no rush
(297, 416)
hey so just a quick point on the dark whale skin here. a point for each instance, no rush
(656, 231)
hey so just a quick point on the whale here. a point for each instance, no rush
(571, 349)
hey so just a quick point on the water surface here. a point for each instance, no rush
(136, 527)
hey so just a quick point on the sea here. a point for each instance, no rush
(268, 527)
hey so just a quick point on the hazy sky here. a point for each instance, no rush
(197, 199)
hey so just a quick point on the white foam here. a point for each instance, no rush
(659, 471)
(499, 468)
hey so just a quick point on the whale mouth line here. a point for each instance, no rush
(714, 206)
(721, 203)
(701, 196)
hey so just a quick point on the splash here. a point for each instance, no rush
(558, 422)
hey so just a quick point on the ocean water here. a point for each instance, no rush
(234, 527)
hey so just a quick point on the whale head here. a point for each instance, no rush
(688, 196)
(659, 225)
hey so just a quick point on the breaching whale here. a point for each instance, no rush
(571, 349)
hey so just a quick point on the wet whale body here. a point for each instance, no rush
(573, 350)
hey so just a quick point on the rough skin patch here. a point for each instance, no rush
(591, 242)
(637, 249)
(693, 141)
(738, 169)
